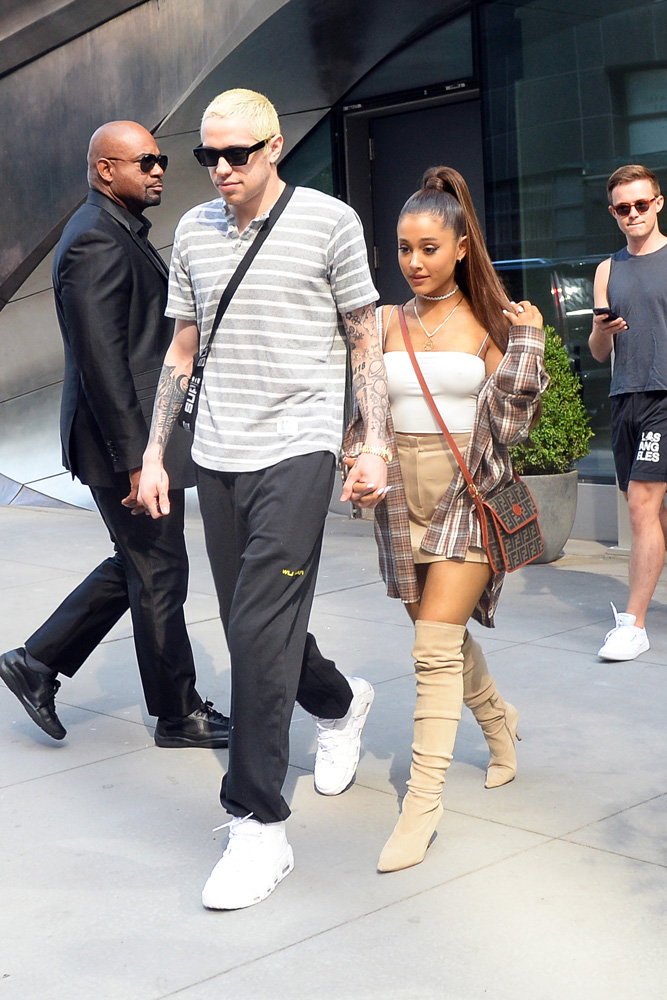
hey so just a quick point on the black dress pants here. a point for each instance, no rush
(264, 536)
(147, 574)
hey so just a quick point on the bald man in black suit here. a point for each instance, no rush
(110, 287)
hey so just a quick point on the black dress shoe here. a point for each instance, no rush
(34, 690)
(202, 728)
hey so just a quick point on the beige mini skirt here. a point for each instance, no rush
(427, 468)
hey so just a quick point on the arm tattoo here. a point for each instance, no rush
(169, 397)
(369, 380)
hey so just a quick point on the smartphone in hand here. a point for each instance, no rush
(606, 312)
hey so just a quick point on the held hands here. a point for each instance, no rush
(524, 313)
(131, 500)
(366, 480)
(153, 489)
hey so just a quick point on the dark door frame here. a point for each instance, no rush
(353, 148)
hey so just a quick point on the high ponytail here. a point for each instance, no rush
(444, 194)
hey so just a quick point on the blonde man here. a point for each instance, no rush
(265, 446)
(631, 317)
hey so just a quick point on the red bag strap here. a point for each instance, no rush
(472, 489)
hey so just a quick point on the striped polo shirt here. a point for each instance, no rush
(275, 379)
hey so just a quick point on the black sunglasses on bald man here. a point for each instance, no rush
(146, 161)
(236, 156)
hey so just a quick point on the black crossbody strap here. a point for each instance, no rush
(245, 263)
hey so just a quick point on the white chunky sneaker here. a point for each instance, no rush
(256, 859)
(339, 741)
(625, 641)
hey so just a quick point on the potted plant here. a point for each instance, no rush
(559, 440)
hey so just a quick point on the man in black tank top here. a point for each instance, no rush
(632, 287)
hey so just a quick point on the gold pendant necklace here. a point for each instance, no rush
(428, 345)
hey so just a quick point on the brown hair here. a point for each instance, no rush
(629, 173)
(444, 194)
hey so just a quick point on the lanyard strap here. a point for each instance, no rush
(243, 266)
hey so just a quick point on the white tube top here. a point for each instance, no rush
(454, 379)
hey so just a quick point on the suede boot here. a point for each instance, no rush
(499, 720)
(438, 657)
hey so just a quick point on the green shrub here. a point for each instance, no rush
(561, 437)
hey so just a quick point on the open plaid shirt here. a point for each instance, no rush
(506, 405)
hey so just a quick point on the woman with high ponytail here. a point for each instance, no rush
(482, 358)
(444, 194)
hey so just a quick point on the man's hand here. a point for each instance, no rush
(153, 494)
(366, 482)
(608, 327)
(601, 339)
(154, 488)
(131, 500)
(369, 382)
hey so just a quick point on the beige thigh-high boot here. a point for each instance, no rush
(498, 719)
(438, 657)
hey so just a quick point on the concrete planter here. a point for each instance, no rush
(556, 499)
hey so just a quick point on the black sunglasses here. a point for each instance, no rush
(146, 161)
(625, 208)
(236, 156)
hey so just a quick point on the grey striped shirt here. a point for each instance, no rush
(274, 381)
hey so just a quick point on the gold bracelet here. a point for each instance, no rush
(375, 449)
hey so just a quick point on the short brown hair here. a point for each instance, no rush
(632, 172)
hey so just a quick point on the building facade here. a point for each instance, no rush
(536, 102)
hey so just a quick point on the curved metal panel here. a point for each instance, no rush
(55, 491)
(308, 54)
(9, 489)
(31, 346)
(135, 66)
(30, 442)
(28, 30)
(29, 497)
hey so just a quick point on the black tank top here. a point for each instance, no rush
(637, 291)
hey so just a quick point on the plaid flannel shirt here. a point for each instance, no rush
(506, 405)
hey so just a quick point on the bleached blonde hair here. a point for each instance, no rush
(255, 109)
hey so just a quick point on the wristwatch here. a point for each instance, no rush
(375, 449)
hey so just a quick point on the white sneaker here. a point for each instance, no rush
(339, 741)
(256, 859)
(625, 641)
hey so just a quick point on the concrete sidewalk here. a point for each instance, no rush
(551, 888)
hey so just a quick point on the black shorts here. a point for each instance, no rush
(639, 437)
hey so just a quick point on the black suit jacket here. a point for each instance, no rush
(111, 290)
